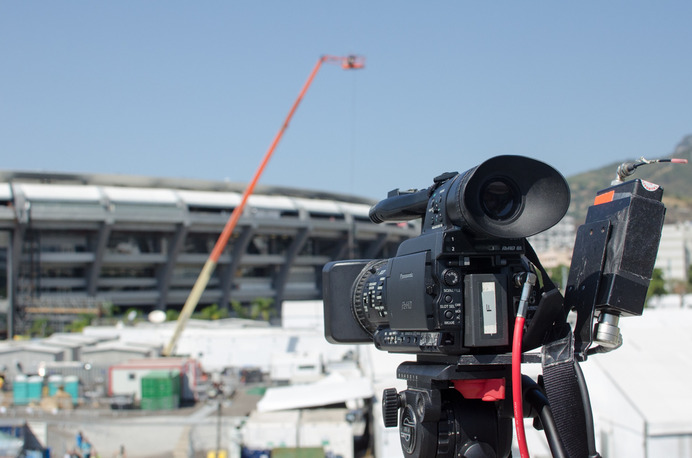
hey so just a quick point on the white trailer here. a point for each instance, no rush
(126, 379)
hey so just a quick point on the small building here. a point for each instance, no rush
(18, 358)
(675, 251)
(71, 349)
(116, 352)
(75, 342)
(126, 378)
(558, 238)
(292, 368)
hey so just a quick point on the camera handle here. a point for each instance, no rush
(435, 419)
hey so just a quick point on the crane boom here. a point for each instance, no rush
(347, 63)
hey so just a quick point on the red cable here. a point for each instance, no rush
(517, 395)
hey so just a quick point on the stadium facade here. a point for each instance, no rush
(70, 243)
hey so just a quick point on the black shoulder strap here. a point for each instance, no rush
(567, 395)
(563, 381)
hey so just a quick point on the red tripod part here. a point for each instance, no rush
(491, 389)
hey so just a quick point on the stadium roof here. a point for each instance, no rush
(136, 181)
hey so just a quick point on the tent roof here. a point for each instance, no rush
(653, 368)
(334, 389)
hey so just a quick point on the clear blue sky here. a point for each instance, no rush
(199, 89)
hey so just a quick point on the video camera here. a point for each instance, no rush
(453, 289)
(453, 296)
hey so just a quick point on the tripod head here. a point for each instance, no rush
(453, 408)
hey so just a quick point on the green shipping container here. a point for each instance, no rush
(305, 452)
(150, 404)
(160, 390)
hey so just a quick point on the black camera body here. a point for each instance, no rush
(454, 289)
(429, 301)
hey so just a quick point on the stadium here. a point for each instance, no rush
(72, 244)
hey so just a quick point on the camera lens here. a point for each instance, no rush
(499, 199)
(368, 296)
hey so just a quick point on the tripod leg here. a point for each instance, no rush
(534, 396)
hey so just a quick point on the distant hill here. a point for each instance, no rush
(675, 179)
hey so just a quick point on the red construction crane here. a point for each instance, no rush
(347, 63)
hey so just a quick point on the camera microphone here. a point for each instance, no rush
(400, 206)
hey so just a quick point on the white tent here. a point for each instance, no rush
(334, 389)
(640, 393)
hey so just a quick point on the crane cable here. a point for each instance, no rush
(354, 94)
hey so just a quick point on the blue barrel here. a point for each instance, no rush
(54, 383)
(20, 390)
(35, 388)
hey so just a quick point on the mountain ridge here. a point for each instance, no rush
(675, 179)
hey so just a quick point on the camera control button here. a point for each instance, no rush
(449, 314)
(451, 277)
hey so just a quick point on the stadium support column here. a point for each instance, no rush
(227, 274)
(282, 276)
(347, 249)
(376, 246)
(166, 271)
(10, 285)
(13, 264)
(104, 233)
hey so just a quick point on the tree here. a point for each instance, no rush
(657, 286)
(80, 323)
(40, 328)
(239, 310)
(212, 312)
(260, 308)
(172, 315)
(558, 275)
(107, 309)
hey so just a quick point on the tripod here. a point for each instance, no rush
(458, 408)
